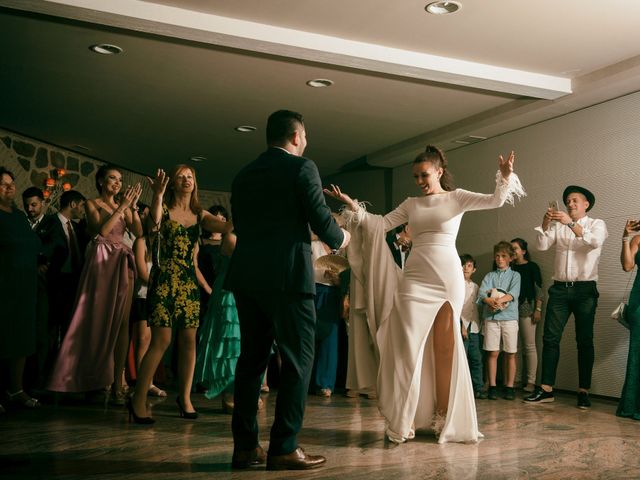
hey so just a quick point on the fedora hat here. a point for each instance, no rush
(576, 189)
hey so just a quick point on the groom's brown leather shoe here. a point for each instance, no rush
(296, 460)
(248, 458)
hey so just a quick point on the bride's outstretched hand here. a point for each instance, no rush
(335, 192)
(506, 166)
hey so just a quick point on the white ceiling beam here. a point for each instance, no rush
(299, 45)
(607, 83)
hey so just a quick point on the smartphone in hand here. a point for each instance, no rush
(554, 205)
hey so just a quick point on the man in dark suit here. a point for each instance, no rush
(35, 208)
(63, 243)
(34, 205)
(275, 201)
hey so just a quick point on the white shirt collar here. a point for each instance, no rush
(64, 220)
(36, 221)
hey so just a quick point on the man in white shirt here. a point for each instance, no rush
(470, 326)
(578, 241)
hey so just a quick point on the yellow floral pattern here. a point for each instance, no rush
(173, 298)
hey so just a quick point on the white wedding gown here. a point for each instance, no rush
(432, 276)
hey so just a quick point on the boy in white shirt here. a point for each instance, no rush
(470, 326)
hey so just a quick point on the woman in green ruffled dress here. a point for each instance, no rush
(629, 405)
(219, 345)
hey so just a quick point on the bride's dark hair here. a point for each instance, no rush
(436, 157)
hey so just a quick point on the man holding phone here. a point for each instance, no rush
(578, 241)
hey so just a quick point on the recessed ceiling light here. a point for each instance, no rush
(443, 8)
(320, 82)
(105, 49)
(198, 158)
(245, 129)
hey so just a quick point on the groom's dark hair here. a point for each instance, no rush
(281, 126)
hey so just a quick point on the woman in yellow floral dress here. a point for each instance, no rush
(173, 298)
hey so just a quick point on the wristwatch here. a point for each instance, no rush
(571, 224)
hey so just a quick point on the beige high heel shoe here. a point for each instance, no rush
(156, 392)
(118, 396)
(228, 405)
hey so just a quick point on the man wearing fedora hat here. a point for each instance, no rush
(578, 241)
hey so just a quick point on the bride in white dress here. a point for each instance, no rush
(423, 377)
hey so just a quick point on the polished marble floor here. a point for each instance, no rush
(77, 440)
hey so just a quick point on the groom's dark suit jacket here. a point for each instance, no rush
(275, 200)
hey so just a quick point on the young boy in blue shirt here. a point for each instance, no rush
(498, 294)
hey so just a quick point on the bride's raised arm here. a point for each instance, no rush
(508, 187)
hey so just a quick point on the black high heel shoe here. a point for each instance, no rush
(188, 415)
(136, 418)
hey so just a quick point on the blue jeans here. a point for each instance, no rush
(581, 300)
(472, 345)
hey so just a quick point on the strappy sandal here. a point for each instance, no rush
(156, 392)
(227, 403)
(21, 398)
(118, 396)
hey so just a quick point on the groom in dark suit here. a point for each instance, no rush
(275, 201)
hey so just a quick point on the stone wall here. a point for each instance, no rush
(32, 162)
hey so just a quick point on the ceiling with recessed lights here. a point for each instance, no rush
(191, 72)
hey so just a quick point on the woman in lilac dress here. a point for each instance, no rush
(94, 350)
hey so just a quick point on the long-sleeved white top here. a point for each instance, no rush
(470, 314)
(577, 258)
